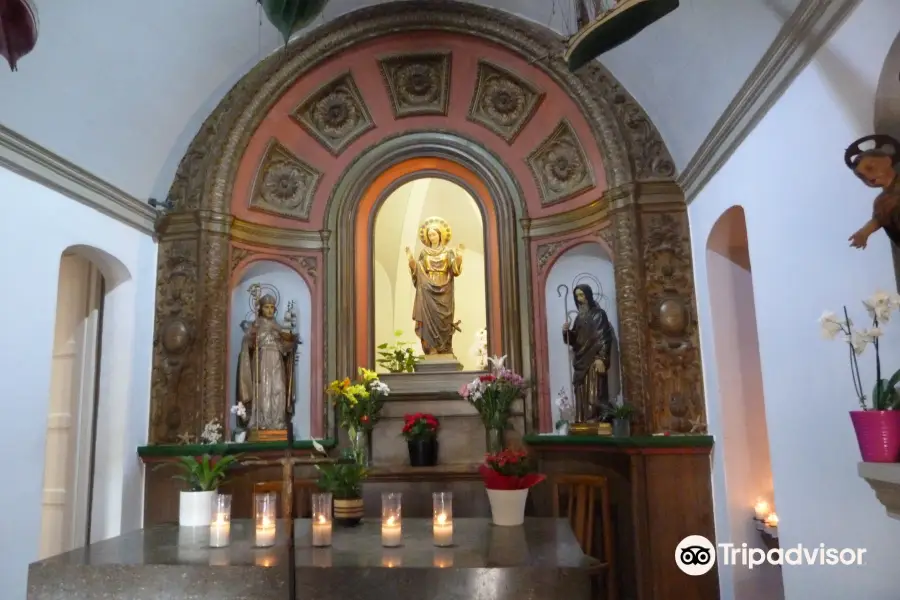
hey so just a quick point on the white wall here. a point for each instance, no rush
(291, 286)
(37, 226)
(801, 205)
(568, 270)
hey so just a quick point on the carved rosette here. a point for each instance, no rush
(335, 114)
(418, 84)
(560, 167)
(503, 102)
(285, 185)
(174, 380)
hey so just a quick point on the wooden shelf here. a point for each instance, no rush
(443, 472)
(166, 451)
(885, 481)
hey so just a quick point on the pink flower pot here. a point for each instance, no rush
(878, 434)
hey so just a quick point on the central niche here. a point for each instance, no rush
(442, 206)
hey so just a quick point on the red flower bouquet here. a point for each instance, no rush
(420, 426)
(509, 470)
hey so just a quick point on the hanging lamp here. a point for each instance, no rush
(290, 16)
(613, 28)
(18, 29)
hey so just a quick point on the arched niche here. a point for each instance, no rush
(587, 263)
(292, 286)
(395, 227)
(740, 421)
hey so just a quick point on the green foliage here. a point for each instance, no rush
(343, 479)
(202, 473)
(623, 411)
(885, 395)
(398, 357)
(290, 16)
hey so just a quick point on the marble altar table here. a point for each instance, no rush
(538, 560)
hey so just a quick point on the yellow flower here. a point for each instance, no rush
(367, 376)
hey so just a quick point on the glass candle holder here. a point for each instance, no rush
(391, 530)
(220, 528)
(442, 503)
(265, 519)
(321, 520)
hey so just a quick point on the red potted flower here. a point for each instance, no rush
(420, 431)
(507, 476)
(877, 426)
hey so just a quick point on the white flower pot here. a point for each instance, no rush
(195, 509)
(508, 506)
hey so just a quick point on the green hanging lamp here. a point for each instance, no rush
(290, 16)
(613, 28)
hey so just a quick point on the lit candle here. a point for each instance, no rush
(443, 518)
(772, 520)
(391, 529)
(762, 510)
(321, 520)
(220, 528)
(265, 520)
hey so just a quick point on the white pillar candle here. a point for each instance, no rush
(265, 533)
(391, 532)
(219, 533)
(321, 532)
(443, 530)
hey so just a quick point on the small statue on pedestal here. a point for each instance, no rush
(433, 275)
(266, 366)
(590, 338)
(877, 168)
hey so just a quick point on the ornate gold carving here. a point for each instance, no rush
(309, 265)
(607, 234)
(275, 237)
(503, 102)
(674, 355)
(285, 185)
(545, 253)
(238, 255)
(174, 382)
(418, 84)
(214, 317)
(335, 114)
(577, 219)
(560, 167)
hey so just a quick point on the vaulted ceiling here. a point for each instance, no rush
(120, 88)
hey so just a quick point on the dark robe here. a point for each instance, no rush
(886, 210)
(590, 338)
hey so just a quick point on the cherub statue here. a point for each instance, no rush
(877, 168)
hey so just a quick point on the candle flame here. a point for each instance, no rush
(762, 506)
(772, 520)
(442, 519)
(390, 520)
(322, 519)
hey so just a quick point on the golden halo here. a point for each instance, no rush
(435, 223)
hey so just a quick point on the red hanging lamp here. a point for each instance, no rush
(612, 27)
(18, 29)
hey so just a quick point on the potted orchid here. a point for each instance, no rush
(507, 476)
(493, 395)
(359, 407)
(877, 425)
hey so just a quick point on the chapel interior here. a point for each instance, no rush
(215, 212)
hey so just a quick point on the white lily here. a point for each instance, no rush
(830, 325)
(497, 362)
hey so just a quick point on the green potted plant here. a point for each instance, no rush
(202, 474)
(344, 481)
(621, 414)
(399, 356)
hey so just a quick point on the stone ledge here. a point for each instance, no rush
(419, 384)
(885, 480)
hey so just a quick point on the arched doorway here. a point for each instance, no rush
(744, 441)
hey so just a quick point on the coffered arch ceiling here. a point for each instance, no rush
(121, 88)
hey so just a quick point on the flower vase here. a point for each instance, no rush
(362, 445)
(423, 452)
(508, 506)
(495, 439)
(878, 434)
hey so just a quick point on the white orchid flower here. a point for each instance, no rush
(862, 338)
(881, 304)
(830, 324)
